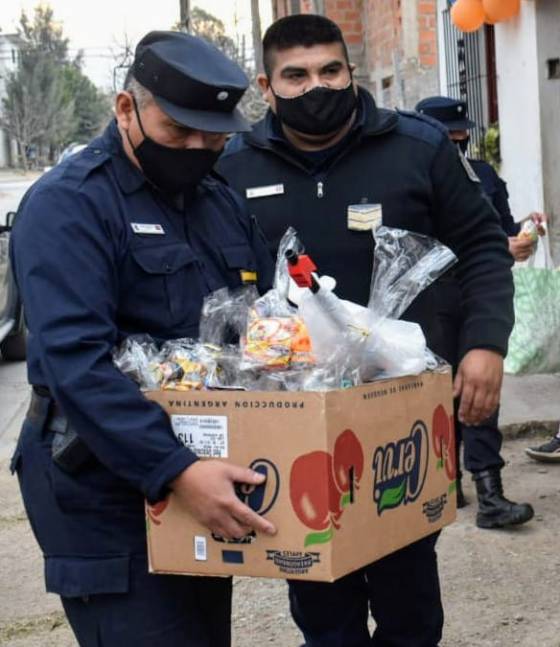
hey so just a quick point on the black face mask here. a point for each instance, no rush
(319, 111)
(172, 170)
(463, 144)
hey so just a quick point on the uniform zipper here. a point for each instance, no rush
(320, 192)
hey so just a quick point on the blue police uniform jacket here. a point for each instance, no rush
(406, 163)
(496, 189)
(89, 277)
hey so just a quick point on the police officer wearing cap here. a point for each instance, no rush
(481, 443)
(128, 237)
(323, 147)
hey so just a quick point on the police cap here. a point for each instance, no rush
(452, 113)
(191, 81)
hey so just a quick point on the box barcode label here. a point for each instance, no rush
(200, 549)
(206, 436)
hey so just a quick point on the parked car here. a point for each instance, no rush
(13, 334)
(71, 149)
(12, 326)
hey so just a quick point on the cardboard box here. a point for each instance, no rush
(352, 475)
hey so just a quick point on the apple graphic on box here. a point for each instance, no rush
(443, 438)
(322, 486)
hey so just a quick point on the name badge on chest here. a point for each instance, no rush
(147, 229)
(264, 191)
(364, 217)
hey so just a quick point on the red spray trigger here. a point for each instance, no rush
(301, 268)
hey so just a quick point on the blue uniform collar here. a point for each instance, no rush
(129, 177)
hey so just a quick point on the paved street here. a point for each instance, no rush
(12, 188)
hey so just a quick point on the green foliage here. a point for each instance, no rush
(489, 149)
(212, 29)
(43, 34)
(492, 146)
(49, 101)
(92, 108)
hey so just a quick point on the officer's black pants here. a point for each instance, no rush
(401, 590)
(157, 611)
(481, 445)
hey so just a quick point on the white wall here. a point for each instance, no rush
(519, 108)
(548, 38)
(442, 61)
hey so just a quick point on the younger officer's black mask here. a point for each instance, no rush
(318, 111)
(172, 170)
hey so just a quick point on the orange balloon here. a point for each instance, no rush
(497, 10)
(515, 8)
(488, 21)
(467, 15)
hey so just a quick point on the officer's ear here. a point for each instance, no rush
(264, 87)
(124, 109)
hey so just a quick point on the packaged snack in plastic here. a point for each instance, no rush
(276, 338)
(138, 357)
(277, 343)
(187, 365)
(529, 230)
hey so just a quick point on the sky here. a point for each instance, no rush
(101, 27)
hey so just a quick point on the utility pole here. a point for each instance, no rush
(319, 7)
(257, 37)
(185, 14)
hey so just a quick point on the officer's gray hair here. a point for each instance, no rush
(142, 95)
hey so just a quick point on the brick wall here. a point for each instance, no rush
(401, 50)
(383, 32)
(348, 14)
(392, 42)
(427, 33)
(281, 8)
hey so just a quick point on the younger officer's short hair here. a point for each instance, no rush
(301, 30)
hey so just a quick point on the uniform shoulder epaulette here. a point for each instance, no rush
(234, 145)
(421, 126)
(81, 165)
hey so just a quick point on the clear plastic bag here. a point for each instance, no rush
(373, 340)
(138, 357)
(404, 264)
(180, 364)
(327, 343)
(187, 365)
(224, 315)
(282, 279)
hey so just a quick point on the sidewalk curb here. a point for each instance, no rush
(14, 176)
(529, 429)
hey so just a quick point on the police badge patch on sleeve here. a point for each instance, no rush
(473, 177)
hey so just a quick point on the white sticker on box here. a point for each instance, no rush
(206, 436)
(200, 553)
